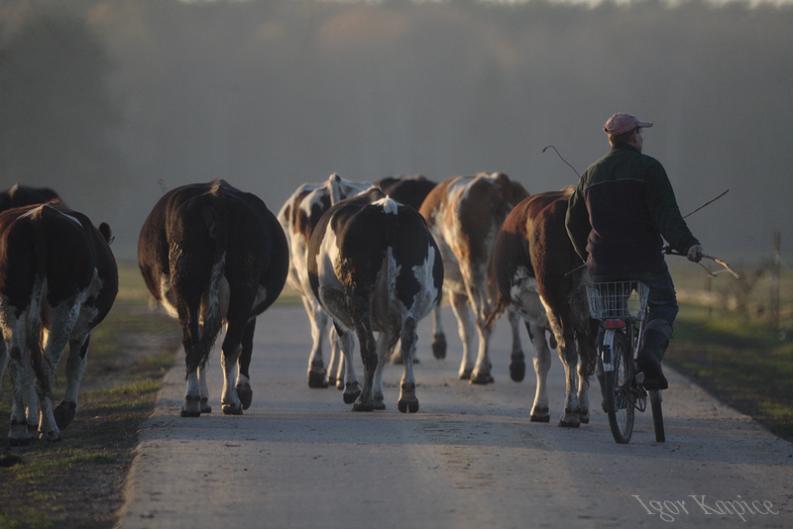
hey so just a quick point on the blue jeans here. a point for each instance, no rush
(662, 304)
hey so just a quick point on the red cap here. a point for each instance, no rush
(621, 123)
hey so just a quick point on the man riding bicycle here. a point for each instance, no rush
(616, 217)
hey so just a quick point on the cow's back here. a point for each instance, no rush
(552, 255)
(43, 242)
(410, 191)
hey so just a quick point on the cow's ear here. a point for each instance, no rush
(104, 229)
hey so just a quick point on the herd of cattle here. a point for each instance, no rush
(371, 259)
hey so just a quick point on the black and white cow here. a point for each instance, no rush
(58, 280)
(210, 254)
(19, 195)
(374, 267)
(299, 216)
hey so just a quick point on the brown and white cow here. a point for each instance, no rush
(18, 195)
(539, 276)
(209, 254)
(299, 216)
(374, 267)
(464, 214)
(58, 280)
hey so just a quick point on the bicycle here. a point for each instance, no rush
(621, 308)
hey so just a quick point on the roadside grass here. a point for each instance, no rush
(740, 361)
(78, 482)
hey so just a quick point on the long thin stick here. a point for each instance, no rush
(561, 158)
(708, 203)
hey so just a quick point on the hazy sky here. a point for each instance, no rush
(270, 94)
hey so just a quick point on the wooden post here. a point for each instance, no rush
(776, 273)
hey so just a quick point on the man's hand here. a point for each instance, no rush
(695, 253)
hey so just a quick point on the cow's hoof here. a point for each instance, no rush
(540, 415)
(363, 406)
(570, 420)
(439, 346)
(378, 405)
(245, 394)
(317, 380)
(481, 378)
(205, 407)
(231, 409)
(517, 369)
(408, 405)
(64, 413)
(351, 393)
(340, 384)
(191, 406)
(465, 374)
(50, 437)
(583, 416)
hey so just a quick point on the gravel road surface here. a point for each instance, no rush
(300, 458)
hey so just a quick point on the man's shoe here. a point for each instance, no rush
(654, 378)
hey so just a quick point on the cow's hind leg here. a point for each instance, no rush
(21, 379)
(203, 386)
(334, 360)
(232, 345)
(243, 386)
(75, 369)
(517, 363)
(569, 357)
(407, 389)
(63, 319)
(438, 335)
(368, 346)
(352, 389)
(318, 321)
(465, 328)
(385, 345)
(542, 363)
(194, 356)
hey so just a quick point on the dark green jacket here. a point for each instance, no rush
(621, 208)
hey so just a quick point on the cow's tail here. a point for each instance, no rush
(496, 309)
(334, 187)
(216, 223)
(33, 327)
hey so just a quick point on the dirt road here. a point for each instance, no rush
(470, 458)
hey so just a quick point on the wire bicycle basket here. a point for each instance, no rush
(617, 300)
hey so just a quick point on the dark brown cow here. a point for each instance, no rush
(19, 195)
(58, 279)
(464, 214)
(532, 264)
(211, 253)
(298, 217)
(374, 267)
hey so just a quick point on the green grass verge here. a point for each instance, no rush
(78, 482)
(741, 362)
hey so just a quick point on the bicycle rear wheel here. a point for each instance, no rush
(619, 398)
(658, 418)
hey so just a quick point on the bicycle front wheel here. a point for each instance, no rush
(658, 418)
(619, 398)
